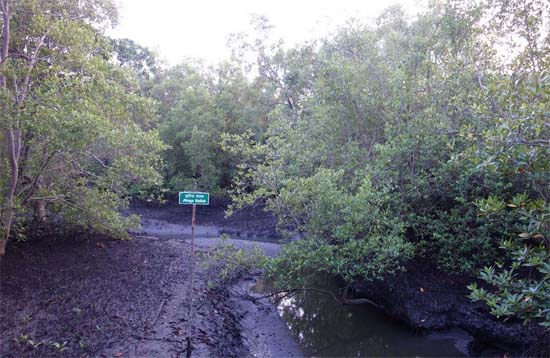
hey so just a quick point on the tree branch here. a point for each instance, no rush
(26, 81)
(97, 159)
(35, 180)
(341, 300)
(5, 32)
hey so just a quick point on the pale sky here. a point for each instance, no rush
(179, 29)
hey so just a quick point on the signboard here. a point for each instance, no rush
(193, 198)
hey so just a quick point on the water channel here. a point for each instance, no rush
(324, 328)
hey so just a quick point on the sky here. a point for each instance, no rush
(180, 29)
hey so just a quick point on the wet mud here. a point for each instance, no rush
(76, 294)
(95, 297)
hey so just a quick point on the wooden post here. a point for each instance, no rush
(191, 279)
(193, 229)
(193, 239)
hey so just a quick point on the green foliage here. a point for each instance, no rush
(520, 286)
(308, 204)
(60, 347)
(202, 105)
(26, 319)
(26, 339)
(139, 59)
(433, 188)
(353, 235)
(230, 263)
(92, 208)
(369, 258)
(516, 145)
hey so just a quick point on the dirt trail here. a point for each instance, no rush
(212, 326)
(75, 294)
(262, 331)
(83, 296)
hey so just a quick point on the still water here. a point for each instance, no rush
(325, 328)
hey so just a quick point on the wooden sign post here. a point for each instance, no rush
(192, 198)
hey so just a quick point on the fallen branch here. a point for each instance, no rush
(179, 353)
(158, 313)
(189, 347)
(170, 340)
(341, 300)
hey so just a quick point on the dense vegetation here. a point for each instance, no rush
(392, 140)
(404, 140)
(75, 129)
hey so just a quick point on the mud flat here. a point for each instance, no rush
(77, 294)
(91, 296)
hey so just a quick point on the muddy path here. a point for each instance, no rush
(77, 294)
(262, 332)
(96, 297)
(206, 236)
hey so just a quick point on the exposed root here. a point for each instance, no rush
(341, 300)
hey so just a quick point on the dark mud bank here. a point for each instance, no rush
(253, 222)
(428, 300)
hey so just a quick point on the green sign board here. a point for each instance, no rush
(193, 198)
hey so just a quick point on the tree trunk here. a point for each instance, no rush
(11, 136)
(14, 141)
(2, 247)
(40, 203)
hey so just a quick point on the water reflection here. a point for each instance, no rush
(326, 329)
